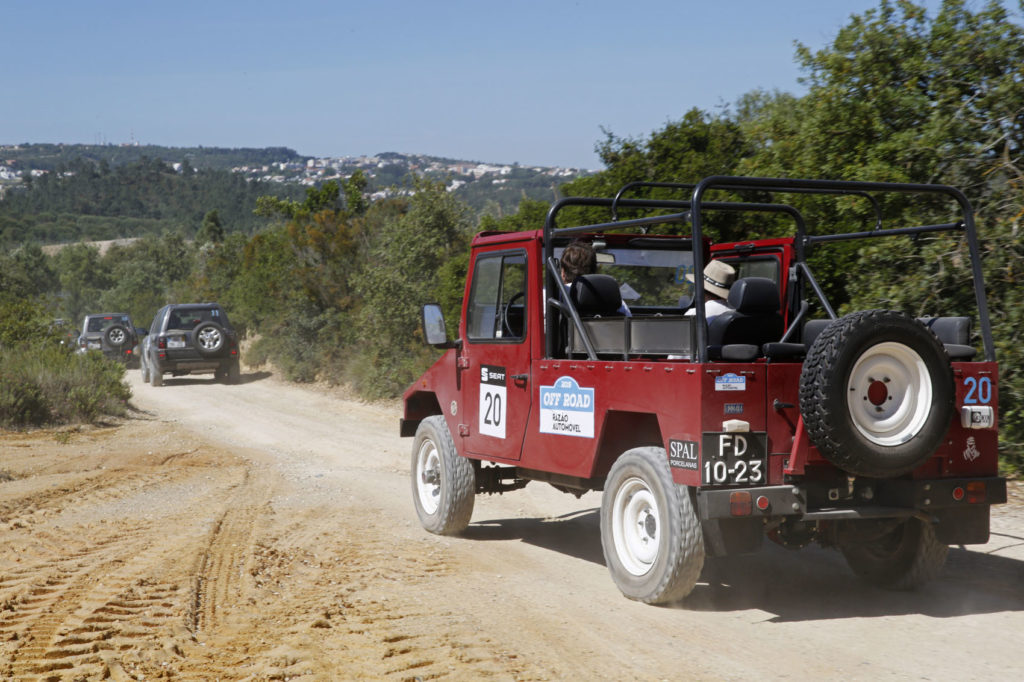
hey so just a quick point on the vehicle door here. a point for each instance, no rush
(496, 356)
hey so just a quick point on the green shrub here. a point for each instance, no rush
(44, 384)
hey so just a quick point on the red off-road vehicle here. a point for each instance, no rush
(874, 432)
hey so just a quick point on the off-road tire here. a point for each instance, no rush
(651, 536)
(209, 339)
(876, 393)
(117, 336)
(903, 559)
(443, 483)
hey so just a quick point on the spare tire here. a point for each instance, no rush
(117, 336)
(209, 338)
(876, 393)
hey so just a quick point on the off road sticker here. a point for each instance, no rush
(566, 409)
(730, 382)
(492, 401)
(682, 454)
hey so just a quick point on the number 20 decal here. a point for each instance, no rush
(979, 391)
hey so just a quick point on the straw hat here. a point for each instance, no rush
(718, 277)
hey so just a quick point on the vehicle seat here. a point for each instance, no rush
(598, 302)
(754, 321)
(954, 333)
(596, 295)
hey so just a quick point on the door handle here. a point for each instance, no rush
(520, 379)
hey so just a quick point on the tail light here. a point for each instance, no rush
(161, 342)
(976, 492)
(740, 503)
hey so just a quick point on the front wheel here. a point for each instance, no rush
(652, 539)
(443, 482)
(903, 558)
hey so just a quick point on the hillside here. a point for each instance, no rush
(58, 192)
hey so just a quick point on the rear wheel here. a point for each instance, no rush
(156, 376)
(144, 368)
(443, 483)
(903, 558)
(652, 539)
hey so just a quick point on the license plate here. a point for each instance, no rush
(94, 345)
(175, 342)
(734, 459)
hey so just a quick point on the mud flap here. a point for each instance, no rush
(962, 526)
(723, 537)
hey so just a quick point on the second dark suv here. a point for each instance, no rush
(190, 338)
(111, 333)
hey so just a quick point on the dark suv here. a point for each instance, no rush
(111, 333)
(190, 338)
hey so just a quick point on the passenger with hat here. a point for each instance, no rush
(718, 277)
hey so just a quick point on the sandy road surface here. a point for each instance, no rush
(266, 531)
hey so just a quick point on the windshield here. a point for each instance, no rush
(648, 277)
(98, 324)
(187, 318)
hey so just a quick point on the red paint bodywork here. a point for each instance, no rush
(650, 401)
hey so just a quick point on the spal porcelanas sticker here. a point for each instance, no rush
(566, 409)
(492, 401)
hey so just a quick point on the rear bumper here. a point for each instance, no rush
(192, 365)
(866, 499)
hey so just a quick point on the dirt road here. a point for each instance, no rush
(266, 531)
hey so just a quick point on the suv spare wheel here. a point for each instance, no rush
(209, 338)
(116, 335)
(876, 393)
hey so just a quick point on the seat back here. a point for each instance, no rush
(954, 333)
(754, 320)
(596, 295)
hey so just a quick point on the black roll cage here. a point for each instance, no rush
(692, 211)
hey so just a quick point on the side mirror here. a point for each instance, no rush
(433, 327)
(140, 332)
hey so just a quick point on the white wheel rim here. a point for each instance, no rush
(117, 337)
(428, 477)
(889, 394)
(635, 526)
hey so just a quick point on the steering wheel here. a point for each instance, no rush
(504, 315)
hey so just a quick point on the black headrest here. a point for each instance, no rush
(956, 330)
(596, 294)
(754, 296)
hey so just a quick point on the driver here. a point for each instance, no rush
(579, 258)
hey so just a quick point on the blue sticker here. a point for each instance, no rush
(730, 382)
(567, 409)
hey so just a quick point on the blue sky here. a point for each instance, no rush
(527, 81)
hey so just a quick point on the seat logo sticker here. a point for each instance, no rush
(567, 409)
(492, 401)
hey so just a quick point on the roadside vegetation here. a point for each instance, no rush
(43, 382)
(330, 285)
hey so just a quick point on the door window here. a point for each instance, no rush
(497, 298)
